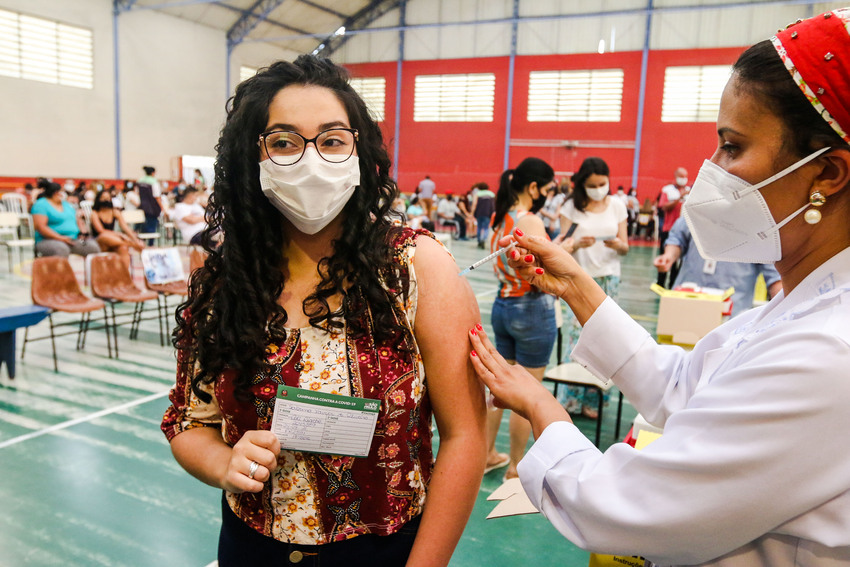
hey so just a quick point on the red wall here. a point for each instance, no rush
(458, 154)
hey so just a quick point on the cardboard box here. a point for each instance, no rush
(684, 317)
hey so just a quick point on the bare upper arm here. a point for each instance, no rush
(446, 310)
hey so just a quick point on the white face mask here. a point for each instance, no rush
(730, 220)
(681, 181)
(597, 193)
(312, 192)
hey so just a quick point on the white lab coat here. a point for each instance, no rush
(753, 468)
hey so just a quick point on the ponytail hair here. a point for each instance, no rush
(514, 181)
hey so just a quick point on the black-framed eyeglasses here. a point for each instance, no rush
(334, 145)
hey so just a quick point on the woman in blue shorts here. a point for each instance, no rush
(523, 317)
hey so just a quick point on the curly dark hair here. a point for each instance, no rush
(232, 311)
(590, 166)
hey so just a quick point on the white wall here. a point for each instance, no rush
(172, 96)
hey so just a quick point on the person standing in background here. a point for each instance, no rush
(523, 318)
(597, 244)
(427, 189)
(199, 180)
(483, 205)
(150, 202)
(709, 273)
(551, 211)
(670, 204)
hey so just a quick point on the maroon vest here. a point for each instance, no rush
(355, 495)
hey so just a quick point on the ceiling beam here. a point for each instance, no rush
(249, 20)
(267, 20)
(368, 14)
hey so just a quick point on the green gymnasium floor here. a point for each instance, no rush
(87, 479)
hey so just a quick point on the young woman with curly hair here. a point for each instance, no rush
(315, 287)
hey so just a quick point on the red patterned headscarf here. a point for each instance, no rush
(816, 52)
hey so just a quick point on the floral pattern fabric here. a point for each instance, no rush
(318, 498)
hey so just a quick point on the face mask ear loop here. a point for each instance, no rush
(739, 194)
(785, 221)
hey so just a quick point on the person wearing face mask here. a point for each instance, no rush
(59, 231)
(523, 318)
(316, 293)
(669, 210)
(597, 244)
(752, 468)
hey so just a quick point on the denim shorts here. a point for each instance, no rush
(525, 328)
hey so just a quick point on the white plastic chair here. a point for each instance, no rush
(17, 203)
(137, 216)
(9, 236)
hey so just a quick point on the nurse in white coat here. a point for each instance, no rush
(753, 468)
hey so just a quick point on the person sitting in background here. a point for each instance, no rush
(416, 217)
(448, 213)
(58, 230)
(709, 273)
(103, 219)
(188, 216)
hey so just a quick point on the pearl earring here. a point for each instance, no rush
(816, 199)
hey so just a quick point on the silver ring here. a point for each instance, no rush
(253, 469)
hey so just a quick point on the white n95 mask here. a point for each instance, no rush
(730, 220)
(598, 193)
(311, 192)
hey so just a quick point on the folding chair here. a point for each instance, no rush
(111, 282)
(9, 237)
(55, 286)
(136, 217)
(574, 374)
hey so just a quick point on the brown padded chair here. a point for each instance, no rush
(55, 286)
(111, 281)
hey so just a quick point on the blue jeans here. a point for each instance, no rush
(525, 328)
(239, 545)
(483, 228)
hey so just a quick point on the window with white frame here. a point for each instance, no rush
(692, 93)
(590, 95)
(373, 91)
(44, 50)
(246, 72)
(454, 98)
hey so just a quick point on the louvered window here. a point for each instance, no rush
(594, 95)
(692, 94)
(44, 50)
(373, 91)
(454, 98)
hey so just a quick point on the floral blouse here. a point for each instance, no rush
(317, 498)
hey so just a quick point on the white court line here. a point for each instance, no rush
(213, 564)
(486, 293)
(84, 419)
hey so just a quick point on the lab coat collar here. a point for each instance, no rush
(827, 280)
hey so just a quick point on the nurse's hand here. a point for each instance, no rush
(512, 386)
(542, 263)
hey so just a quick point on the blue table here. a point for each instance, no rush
(11, 319)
